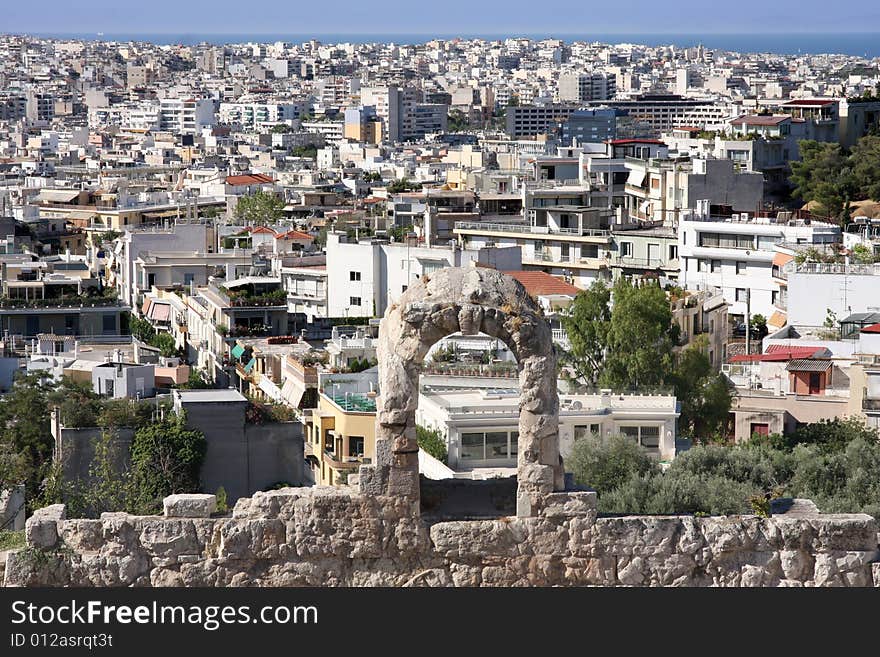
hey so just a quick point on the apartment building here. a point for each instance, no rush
(481, 423)
(735, 255)
(253, 115)
(579, 87)
(364, 277)
(659, 188)
(340, 434)
(527, 121)
(655, 113)
(186, 115)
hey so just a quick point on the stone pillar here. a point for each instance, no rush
(470, 300)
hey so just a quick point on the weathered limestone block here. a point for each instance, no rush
(796, 564)
(477, 539)
(82, 535)
(166, 538)
(571, 504)
(190, 505)
(844, 532)
(41, 529)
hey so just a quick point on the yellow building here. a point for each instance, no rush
(340, 434)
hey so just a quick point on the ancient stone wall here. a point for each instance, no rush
(339, 537)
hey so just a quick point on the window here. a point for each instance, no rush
(673, 251)
(489, 445)
(589, 250)
(354, 276)
(565, 251)
(586, 430)
(740, 267)
(188, 278)
(647, 436)
(108, 323)
(716, 266)
(760, 429)
(741, 294)
(355, 445)
(626, 249)
(354, 301)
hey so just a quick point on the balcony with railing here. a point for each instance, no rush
(871, 405)
(481, 227)
(637, 263)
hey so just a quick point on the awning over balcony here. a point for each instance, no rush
(237, 351)
(636, 178)
(782, 258)
(777, 319)
(250, 365)
(160, 312)
(292, 392)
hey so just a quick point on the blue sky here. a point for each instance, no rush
(441, 17)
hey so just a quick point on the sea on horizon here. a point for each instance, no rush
(857, 44)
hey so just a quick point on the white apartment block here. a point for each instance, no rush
(577, 87)
(364, 277)
(735, 256)
(251, 115)
(481, 423)
(186, 115)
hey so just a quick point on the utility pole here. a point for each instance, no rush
(748, 320)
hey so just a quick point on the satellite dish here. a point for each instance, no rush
(576, 405)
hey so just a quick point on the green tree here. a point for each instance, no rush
(165, 343)
(862, 254)
(24, 426)
(197, 380)
(822, 175)
(587, 325)
(403, 185)
(166, 458)
(705, 395)
(641, 337)
(141, 329)
(831, 435)
(260, 208)
(457, 121)
(865, 161)
(432, 442)
(606, 463)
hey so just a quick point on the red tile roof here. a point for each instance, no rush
(542, 283)
(294, 235)
(778, 353)
(262, 230)
(249, 179)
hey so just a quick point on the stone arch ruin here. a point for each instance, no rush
(470, 300)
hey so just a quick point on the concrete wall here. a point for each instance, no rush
(326, 536)
(75, 449)
(811, 295)
(244, 458)
(783, 413)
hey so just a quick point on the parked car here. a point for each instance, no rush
(757, 332)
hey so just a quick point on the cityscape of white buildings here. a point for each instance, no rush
(122, 167)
